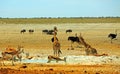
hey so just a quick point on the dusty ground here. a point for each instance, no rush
(61, 69)
(40, 44)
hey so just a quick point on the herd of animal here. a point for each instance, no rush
(80, 40)
(50, 32)
(74, 39)
(45, 31)
(24, 30)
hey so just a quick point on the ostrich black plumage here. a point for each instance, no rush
(112, 36)
(74, 39)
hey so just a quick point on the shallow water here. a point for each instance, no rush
(83, 60)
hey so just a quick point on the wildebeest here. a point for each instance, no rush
(45, 31)
(69, 30)
(22, 31)
(50, 32)
(31, 31)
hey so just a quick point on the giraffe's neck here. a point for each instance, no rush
(83, 42)
(55, 38)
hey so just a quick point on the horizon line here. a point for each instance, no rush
(68, 17)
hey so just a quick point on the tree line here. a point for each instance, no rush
(50, 20)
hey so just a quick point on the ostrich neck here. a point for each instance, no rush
(116, 32)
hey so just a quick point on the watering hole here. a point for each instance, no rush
(83, 60)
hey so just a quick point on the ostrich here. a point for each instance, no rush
(112, 36)
(74, 39)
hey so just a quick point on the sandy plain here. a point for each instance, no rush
(96, 34)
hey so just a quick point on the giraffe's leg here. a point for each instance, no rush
(58, 53)
(55, 52)
(72, 46)
(87, 51)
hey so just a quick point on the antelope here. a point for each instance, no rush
(13, 52)
(54, 58)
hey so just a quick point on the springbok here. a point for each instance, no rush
(52, 58)
(13, 52)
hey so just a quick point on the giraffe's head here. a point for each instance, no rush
(55, 28)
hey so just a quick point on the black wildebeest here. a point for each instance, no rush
(31, 31)
(69, 30)
(112, 36)
(50, 32)
(22, 31)
(45, 31)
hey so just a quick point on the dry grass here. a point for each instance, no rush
(40, 44)
(59, 20)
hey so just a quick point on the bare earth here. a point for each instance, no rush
(39, 44)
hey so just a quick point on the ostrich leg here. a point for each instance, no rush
(72, 47)
(111, 40)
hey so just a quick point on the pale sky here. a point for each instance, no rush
(59, 8)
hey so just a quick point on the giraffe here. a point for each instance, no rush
(88, 49)
(56, 43)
